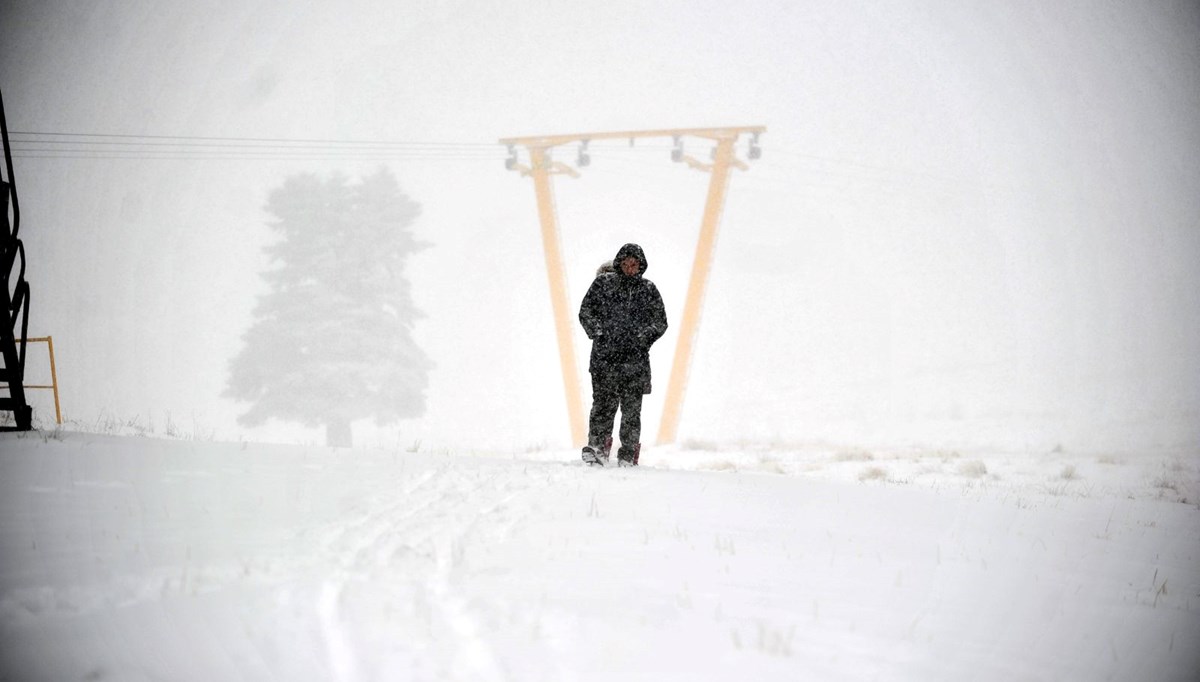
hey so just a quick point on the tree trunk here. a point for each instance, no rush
(338, 435)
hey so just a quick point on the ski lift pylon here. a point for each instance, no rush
(542, 168)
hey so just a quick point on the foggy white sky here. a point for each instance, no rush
(973, 223)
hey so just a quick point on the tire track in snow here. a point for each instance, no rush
(360, 534)
(411, 543)
(338, 648)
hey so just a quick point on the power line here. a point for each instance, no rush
(120, 146)
(168, 157)
(282, 140)
(51, 145)
(92, 144)
(246, 155)
(136, 150)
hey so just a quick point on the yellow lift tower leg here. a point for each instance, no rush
(541, 168)
(701, 265)
(552, 245)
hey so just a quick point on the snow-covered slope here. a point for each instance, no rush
(127, 558)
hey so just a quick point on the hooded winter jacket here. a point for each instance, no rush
(623, 315)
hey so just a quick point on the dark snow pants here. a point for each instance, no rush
(607, 396)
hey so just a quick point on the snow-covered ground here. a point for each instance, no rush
(132, 558)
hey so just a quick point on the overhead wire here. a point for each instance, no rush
(209, 139)
(59, 145)
(51, 145)
(184, 153)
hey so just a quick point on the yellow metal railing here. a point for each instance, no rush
(49, 341)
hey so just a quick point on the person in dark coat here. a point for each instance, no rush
(623, 315)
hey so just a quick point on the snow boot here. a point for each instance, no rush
(591, 456)
(596, 454)
(628, 456)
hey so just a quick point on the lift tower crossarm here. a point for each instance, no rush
(547, 141)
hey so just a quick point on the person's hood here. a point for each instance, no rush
(627, 251)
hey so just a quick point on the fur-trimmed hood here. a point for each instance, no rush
(627, 251)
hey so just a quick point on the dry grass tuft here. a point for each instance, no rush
(973, 468)
(1165, 482)
(771, 465)
(873, 474)
(854, 456)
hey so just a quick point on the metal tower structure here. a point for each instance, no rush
(14, 298)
